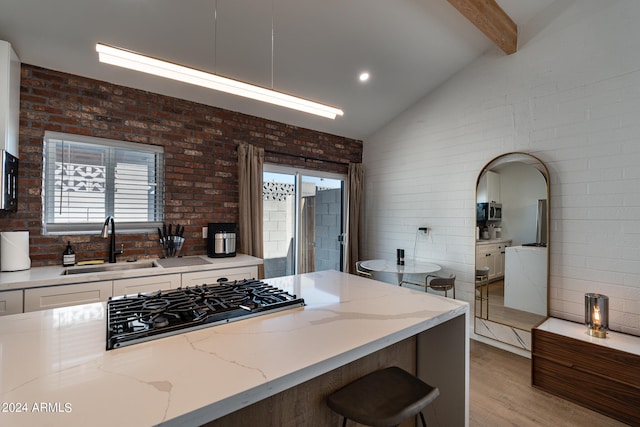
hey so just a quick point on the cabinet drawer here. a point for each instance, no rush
(586, 356)
(607, 396)
(11, 302)
(146, 284)
(65, 295)
(212, 276)
(485, 249)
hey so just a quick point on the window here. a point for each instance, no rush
(88, 179)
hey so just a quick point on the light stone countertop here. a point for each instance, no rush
(528, 248)
(53, 275)
(614, 340)
(58, 357)
(491, 241)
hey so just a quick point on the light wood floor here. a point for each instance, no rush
(509, 316)
(501, 395)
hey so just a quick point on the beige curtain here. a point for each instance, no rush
(250, 163)
(355, 230)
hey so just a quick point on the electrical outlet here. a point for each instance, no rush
(425, 230)
(205, 230)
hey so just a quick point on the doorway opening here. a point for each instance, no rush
(303, 221)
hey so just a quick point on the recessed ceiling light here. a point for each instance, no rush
(364, 76)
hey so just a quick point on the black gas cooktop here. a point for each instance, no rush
(136, 318)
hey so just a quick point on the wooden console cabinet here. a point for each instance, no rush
(602, 374)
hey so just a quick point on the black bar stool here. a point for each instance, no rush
(383, 398)
(482, 291)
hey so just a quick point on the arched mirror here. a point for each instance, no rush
(512, 253)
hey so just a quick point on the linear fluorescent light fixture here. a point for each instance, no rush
(146, 64)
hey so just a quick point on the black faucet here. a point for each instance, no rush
(112, 242)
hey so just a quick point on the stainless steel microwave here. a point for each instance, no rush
(489, 211)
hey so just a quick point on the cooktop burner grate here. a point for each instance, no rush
(136, 318)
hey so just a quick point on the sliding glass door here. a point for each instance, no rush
(303, 221)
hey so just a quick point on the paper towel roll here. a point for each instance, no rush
(14, 251)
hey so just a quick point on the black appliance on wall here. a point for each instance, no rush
(221, 239)
(8, 181)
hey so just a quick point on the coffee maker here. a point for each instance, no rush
(221, 239)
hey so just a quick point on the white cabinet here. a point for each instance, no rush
(9, 98)
(65, 295)
(137, 285)
(492, 255)
(212, 276)
(486, 257)
(500, 258)
(489, 188)
(11, 302)
(45, 297)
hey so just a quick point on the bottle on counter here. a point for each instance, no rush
(68, 256)
(485, 233)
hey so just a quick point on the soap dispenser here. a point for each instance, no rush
(68, 256)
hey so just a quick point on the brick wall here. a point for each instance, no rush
(200, 155)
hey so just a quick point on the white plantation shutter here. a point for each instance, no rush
(88, 179)
(133, 192)
(79, 192)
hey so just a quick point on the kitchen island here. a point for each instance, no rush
(526, 278)
(55, 369)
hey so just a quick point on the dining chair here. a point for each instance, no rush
(442, 284)
(360, 271)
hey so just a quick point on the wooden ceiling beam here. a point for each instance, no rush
(494, 22)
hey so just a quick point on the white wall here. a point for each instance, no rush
(277, 217)
(570, 96)
(521, 186)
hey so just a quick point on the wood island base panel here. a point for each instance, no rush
(56, 371)
(305, 404)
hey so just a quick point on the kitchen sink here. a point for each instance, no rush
(109, 267)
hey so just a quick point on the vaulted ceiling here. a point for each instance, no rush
(312, 49)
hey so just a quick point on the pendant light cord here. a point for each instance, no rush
(215, 36)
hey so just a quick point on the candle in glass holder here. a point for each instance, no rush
(596, 314)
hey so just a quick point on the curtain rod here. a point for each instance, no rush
(305, 157)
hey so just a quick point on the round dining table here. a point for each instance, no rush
(409, 267)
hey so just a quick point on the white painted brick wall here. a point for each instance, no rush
(277, 227)
(570, 96)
